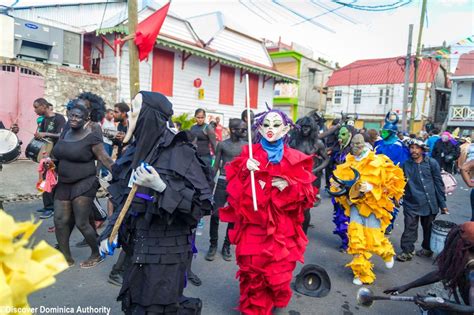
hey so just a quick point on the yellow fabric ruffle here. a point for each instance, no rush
(386, 178)
(362, 242)
(24, 270)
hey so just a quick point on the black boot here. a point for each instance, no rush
(211, 254)
(226, 254)
(115, 278)
(194, 279)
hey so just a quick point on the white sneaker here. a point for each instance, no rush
(357, 281)
(389, 264)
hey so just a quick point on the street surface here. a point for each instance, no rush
(220, 290)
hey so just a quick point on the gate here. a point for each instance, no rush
(19, 87)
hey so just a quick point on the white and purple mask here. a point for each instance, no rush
(273, 127)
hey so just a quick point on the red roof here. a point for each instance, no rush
(465, 65)
(382, 71)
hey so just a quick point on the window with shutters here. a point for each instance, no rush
(226, 88)
(253, 87)
(163, 71)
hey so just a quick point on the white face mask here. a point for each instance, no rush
(444, 138)
(133, 116)
(273, 127)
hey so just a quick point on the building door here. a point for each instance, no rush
(20, 87)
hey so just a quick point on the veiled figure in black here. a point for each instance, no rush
(174, 189)
(305, 139)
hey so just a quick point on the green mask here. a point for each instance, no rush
(344, 136)
(385, 134)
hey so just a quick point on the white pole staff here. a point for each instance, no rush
(249, 127)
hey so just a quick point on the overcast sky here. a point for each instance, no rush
(343, 35)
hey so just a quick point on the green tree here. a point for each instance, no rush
(186, 120)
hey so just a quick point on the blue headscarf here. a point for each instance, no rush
(273, 149)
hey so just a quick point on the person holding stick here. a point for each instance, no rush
(173, 189)
(268, 212)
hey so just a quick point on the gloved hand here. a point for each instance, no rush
(106, 248)
(279, 183)
(146, 176)
(365, 187)
(252, 165)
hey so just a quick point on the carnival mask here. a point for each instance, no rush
(344, 136)
(385, 134)
(358, 145)
(444, 138)
(133, 116)
(306, 130)
(273, 128)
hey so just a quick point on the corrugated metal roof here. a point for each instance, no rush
(465, 65)
(382, 71)
(85, 17)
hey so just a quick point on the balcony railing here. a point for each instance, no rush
(461, 113)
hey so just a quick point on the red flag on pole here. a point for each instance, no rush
(147, 31)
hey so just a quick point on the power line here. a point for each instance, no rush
(303, 17)
(376, 8)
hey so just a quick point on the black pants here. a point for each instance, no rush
(48, 200)
(472, 204)
(410, 233)
(220, 198)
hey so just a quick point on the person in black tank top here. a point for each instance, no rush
(75, 152)
(204, 136)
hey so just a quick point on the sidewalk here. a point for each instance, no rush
(18, 181)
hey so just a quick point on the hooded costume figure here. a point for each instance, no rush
(268, 241)
(174, 189)
(338, 156)
(365, 186)
(394, 148)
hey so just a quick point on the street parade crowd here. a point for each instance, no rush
(160, 182)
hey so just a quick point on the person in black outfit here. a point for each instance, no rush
(174, 189)
(446, 152)
(226, 151)
(424, 196)
(120, 116)
(204, 135)
(75, 153)
(50, 129)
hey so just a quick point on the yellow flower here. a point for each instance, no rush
(24, 270)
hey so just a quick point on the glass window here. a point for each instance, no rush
(337, 96)
(357, 96)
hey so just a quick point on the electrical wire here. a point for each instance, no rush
(376, 8)
(103, 14)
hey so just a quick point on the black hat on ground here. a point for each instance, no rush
(313, 281)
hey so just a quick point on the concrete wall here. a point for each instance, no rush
(369, 106)
(310, 96)
(64, 83)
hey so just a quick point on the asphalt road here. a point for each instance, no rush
(220, 290)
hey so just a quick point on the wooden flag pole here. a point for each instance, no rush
(249, 128)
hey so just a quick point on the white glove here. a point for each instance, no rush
(365, 187)
(146, 176)
(106, 248)
(279, 183)
(252, 165)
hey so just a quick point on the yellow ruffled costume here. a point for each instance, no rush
(24, 270)
(371, 213)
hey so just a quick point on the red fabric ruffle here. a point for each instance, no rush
(269, 241)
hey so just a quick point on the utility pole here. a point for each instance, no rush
(407, 79)
(132, 49)
(417, 56)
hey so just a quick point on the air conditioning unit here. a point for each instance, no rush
(38, 42)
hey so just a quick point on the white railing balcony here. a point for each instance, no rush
(461, 113)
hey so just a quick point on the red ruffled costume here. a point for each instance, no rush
(269, 241)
